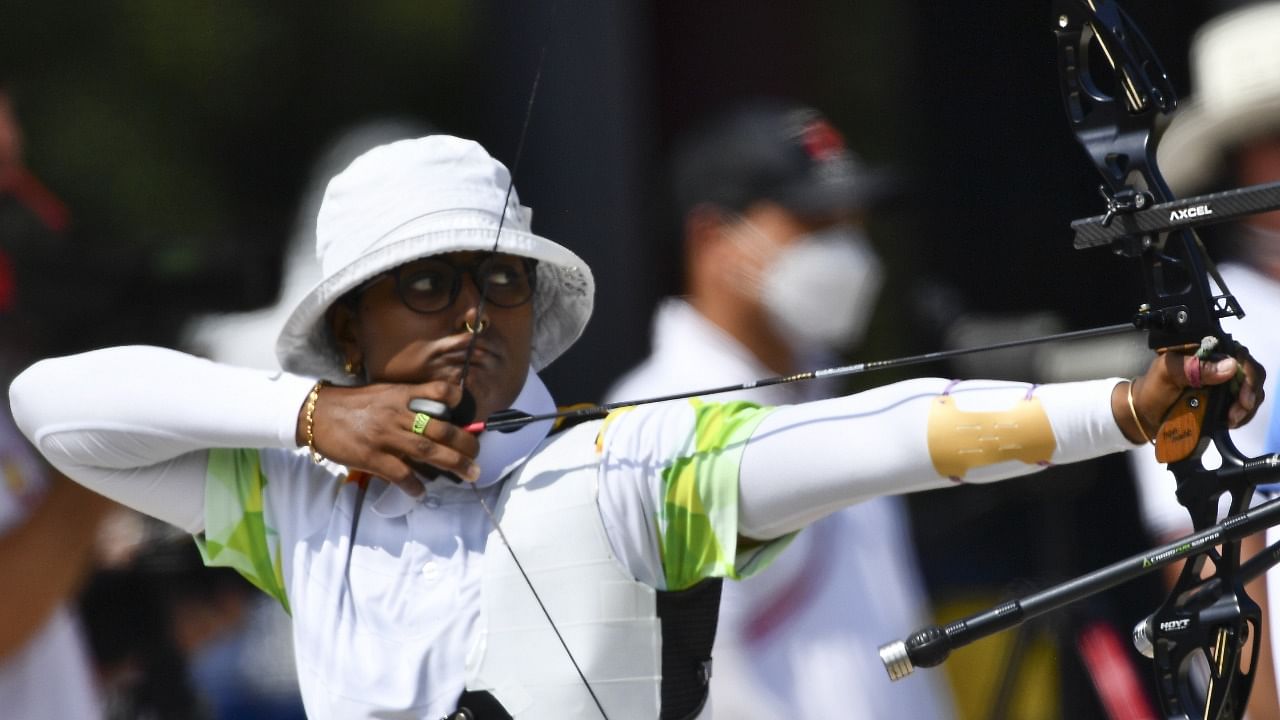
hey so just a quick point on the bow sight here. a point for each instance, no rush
(1208, 627)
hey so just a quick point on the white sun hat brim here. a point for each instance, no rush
(1236, 64)
(422, 197)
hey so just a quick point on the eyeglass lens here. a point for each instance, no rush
(432, 284)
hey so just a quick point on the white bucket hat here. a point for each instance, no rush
(1235, 61)
(415, 198)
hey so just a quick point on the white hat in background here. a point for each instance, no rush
(1235, 65)
(248, 339)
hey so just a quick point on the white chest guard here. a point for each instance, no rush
(608, 619)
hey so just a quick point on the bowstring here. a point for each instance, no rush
(470, 350)
(502, 217)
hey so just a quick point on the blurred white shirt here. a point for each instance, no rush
(50, 677)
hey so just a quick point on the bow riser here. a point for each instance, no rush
(1219, 632)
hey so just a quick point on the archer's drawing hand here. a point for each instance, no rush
(371, 429)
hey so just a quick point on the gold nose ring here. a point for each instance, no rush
(479, 328)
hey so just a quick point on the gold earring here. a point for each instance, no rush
(350, 368)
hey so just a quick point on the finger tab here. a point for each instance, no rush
(465, 410)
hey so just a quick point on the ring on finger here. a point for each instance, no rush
(420, 421)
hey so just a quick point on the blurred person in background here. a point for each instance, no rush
(1227, 135)
(48, 529)
(48, 524)
(780, 277)
(96, 616)
(411, 604)
(145, 619)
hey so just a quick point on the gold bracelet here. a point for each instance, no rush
(1133, 411)
(309, 413)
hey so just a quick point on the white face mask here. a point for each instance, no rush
(819, 290)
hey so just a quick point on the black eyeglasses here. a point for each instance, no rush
(432, 284)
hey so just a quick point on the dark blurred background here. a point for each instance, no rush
(181, 136)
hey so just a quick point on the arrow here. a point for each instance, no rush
(511, 420)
